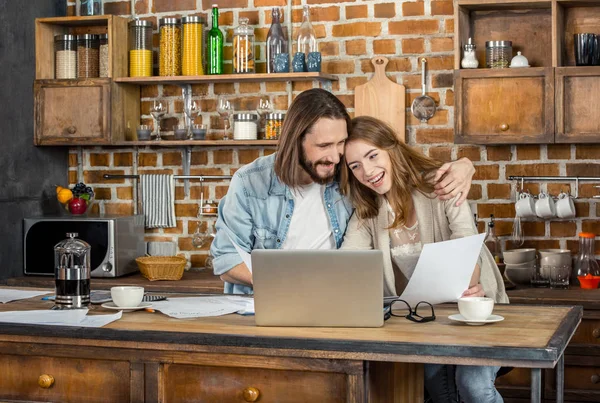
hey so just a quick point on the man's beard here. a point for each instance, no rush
(311, 169)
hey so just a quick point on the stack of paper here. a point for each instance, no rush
(71, 317)
(197, 307)
(12, 294)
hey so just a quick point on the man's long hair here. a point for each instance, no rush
(304, 112)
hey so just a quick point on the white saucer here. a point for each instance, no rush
(492, 319)
(111, 305)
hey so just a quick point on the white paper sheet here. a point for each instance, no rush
(243, 254)
(197, 307)
(12, 294)
(443, 271)
(72, 317)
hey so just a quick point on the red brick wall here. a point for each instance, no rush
(349, 35)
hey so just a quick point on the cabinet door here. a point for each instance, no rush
(577, 100)
(72, 112)
(504, 106)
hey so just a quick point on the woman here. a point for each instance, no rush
(396, 211)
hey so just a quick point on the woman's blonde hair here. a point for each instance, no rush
(410, 170)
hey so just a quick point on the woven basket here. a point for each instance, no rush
(161, 267)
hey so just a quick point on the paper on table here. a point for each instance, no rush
(197, 307)
(243, 254)
(443, 271)
(7, 295)
(72, 317)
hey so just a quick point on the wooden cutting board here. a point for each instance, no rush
(382, 98)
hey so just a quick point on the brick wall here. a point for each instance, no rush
(349, 35)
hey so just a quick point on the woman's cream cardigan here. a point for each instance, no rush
(438, 221)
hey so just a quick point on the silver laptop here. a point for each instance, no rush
(329, 288)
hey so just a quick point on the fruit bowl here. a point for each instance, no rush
(77, 200)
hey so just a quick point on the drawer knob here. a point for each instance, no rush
(71, 129)
(45, 381)
(596, 333)
(251, 394)
(595, 379)
(504, 127)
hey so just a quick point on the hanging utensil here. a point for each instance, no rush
(423, 107)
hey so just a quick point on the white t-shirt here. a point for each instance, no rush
(309, 227)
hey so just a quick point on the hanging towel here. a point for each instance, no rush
(158, 200)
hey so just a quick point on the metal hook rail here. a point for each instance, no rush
(556, 178)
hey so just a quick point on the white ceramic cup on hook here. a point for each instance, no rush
(565, 208)
(525, 205)
(544, 206)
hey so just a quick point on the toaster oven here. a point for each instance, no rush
(116, 241)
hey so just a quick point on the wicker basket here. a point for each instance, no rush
(161, 267)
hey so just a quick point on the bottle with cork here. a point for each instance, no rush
(492, 242)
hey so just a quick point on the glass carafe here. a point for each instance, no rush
(307, 39)
(72, 273)
(276, 42)
(586, 266)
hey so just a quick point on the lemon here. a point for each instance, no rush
(64, 195)
(58, 189)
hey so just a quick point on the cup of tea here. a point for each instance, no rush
(475, 308)
(127, 296)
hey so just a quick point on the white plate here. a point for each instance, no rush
(111, 305)
(492, 319)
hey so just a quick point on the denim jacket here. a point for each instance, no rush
(256, 214)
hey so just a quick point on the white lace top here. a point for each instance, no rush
(405, 245)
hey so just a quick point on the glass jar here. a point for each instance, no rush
(72, 273)
(245, 126)
(65, 56)
(586, 266)
(103, 55)
(273, 125)
(498, 54)
(90, 7)
(170, 47)
(243, 48)
(140, 48)
(469, 60)
(191, 62)
(88, 56)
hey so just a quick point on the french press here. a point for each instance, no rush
(72, 273)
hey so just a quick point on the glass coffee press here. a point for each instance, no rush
(72, 273)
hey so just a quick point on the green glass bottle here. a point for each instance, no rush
(215, 44)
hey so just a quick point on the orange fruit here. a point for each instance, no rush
(58, 189)
(64, 195)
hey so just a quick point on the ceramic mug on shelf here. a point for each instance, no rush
(544, 206)
(525, 205)
(565, 208)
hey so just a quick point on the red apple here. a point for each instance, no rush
(77, 205)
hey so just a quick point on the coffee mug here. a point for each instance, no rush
(565, 208)
(544, 206)
(127, 296)
(525, 205)
(475, 308)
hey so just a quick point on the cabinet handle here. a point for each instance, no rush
(45, 381)
(71, 129)
(595, 379)
(504, 127)
(251, 394)
(596, 333)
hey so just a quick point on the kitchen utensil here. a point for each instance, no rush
(517, 233)
(423, 107)
(72, 273)
(519, 61)
(382, 98)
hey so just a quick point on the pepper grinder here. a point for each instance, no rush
(469, 61)
(72, 273)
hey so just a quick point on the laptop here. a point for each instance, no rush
(328, 288)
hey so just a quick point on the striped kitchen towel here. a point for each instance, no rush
(158, 200)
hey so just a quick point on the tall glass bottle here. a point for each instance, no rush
(307, 39)
(215, 44)
(586, 265)
(276, 42)
(492, 242)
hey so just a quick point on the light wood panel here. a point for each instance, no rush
(229, 78)
(394, 382)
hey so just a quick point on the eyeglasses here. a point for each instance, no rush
(413, 314)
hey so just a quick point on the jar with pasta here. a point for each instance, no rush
(170, 47)
(88, 56)
(65, 56)
(140, 48)
(191, 56)
(243, 48)
(103, 55)
(273, 125)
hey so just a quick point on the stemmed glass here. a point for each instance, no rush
(192, 109)
(225, 109)
(199, 238)
(264, 106)
(158, 110)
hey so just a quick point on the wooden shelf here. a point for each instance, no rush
(227, 78)
(500, 73)
(179, 143)
(77, 21)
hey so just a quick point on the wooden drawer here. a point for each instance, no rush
(189, 383)
(506, 106)
(75, 380)
(588, 332)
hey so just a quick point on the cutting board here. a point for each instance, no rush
(382, 98)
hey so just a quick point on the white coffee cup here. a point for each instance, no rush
(525, 205)
(127, 296)
(475, 308)
(544, 206)
(565, 208)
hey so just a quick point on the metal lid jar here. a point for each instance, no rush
(65, 56)
(88, 56)
(245, 126)
(72, 273)
(191, 53)
(273, 125)
(243, 48)
(140, 48)
(170, 47)
(498, 54)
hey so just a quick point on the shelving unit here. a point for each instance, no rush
(228, 78)
(179, 143)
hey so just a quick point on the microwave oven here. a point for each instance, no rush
(116, 241)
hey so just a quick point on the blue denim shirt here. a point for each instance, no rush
(256, 214)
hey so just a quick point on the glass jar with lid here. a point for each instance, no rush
(586, 266)
(498, 54)
(191, 52)
(273, 125)
(245, 126)
(65, 56)
(88, 56)
(72, 273)
(103, 55)
(170, 47)
(243, 48)
(140, 48)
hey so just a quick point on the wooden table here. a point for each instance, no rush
(362, 354)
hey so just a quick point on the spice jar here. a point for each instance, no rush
(170, 47)
(103, 55)
(88, 56)
(140, 48)
(65, 56)
(245, 126)
(191, 63)
(498, 54)
(273, 125)
(243, 48)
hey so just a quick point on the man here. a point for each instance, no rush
(291, 199)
